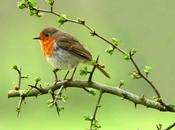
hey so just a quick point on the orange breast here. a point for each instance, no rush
(48, 47)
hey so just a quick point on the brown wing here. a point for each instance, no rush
(71, 44)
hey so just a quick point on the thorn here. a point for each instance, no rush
(142, 98)
(55, 74)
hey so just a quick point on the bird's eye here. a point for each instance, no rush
(46, 34)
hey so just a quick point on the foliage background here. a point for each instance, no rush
(147, 25)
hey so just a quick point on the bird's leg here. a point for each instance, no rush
(55, 74)
(66, 75)
(71, 78)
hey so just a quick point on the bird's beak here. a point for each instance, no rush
(36, 38)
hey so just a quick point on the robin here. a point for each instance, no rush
(63, 51)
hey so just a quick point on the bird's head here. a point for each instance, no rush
(47, 34)
(47, 37)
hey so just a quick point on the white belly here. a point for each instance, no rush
(64, 60)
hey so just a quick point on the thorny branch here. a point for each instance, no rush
(170, 127)
(146, 79)
(98, 86)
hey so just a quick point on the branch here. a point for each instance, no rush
(170, 127)
(94, 122)
(98, 86)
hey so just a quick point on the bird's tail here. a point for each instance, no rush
(99, 67)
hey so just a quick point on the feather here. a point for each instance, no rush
(71, 44)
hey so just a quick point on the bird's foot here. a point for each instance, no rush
(55, 75)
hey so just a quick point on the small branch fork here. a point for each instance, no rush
(94, 123)
(146, 79)
(17, 88)
(170, 127)
(159, 127)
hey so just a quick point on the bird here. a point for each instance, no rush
(63, 51)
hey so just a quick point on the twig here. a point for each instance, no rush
(93, 70)
(170, 127)
(37, 80)
(59, 93)
(93, 119)
(55, 103)
(51, 6)
(159, 127)
(73, 73)
(55, 74)
(19, 76)
(18, 109)
(66, 74)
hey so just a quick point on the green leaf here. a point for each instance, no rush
(27, 4)
(110, 51)
(116, 41)
(50, 103)
(26, 76)
(133, 51)
(33, 12)
(15, 67)
(39, 14)
(96, 125)
(64, 98)
(87, 118)
(22, 4)
(61, 108)
(92, 91)
(122, 82)
(62, 19)
(84, 71)
(147, 69)
(135, 75)
(126, 56)
(32, 3)
(37, 79)
(93, 62)
(50, 2)
(81, 21)
(50, 91)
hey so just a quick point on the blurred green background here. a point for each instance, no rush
(147, 25)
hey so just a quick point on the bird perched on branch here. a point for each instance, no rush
(63, 51)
